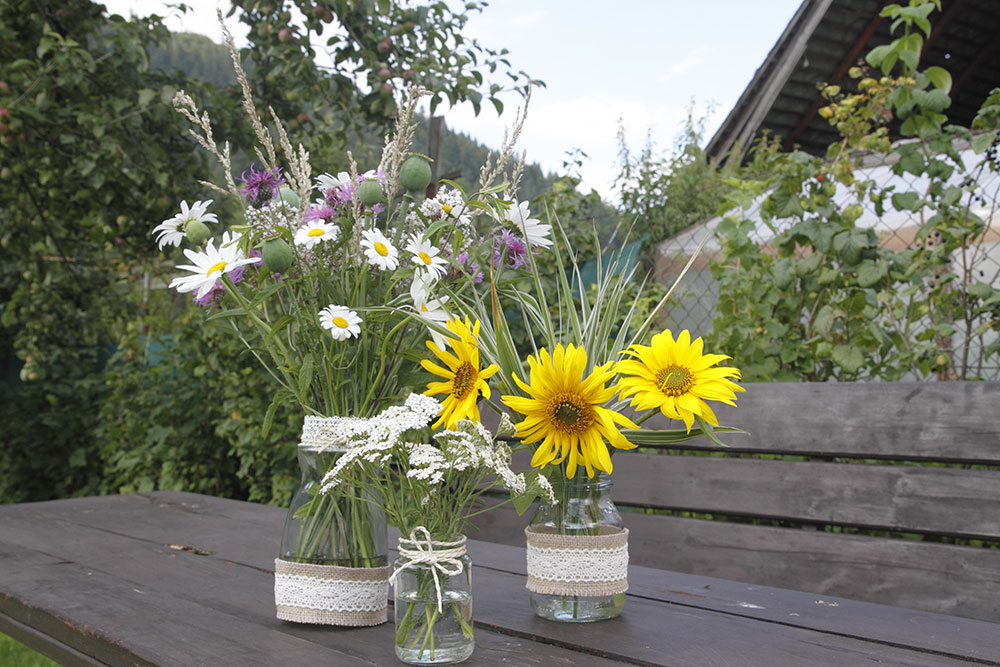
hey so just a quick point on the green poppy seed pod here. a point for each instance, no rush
(277, 255)
(370, 193)
(197, 232)
(288, 196)
(415, 174)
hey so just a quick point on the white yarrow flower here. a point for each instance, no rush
(341, 321)
(211, 265)
(536, 233)
(315, 232)
(171, 231)
(379, 250)
(427, 257)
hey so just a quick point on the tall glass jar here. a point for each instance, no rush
(578, 553)
(332, 567)
(342, 527)
(433, 618)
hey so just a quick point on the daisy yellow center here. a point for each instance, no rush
(425, 258)
(340, 322)
(381, 249)
(465, 378)
(570, 413)
(424, 308)
(674, 380)
(446, 208)
(218, 266)
(316, 232)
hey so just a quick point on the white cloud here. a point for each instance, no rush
(696, 57)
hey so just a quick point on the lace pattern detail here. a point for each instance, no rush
(331, 595)
(583, 565)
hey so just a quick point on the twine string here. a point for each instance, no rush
(440, 556)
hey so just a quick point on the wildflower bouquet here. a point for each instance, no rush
(428, 488)
(332, 283)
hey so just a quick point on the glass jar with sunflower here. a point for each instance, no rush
(579, 395)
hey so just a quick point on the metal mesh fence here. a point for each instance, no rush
(694, 305)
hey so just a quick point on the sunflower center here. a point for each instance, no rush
(340, 322)
(465, 378)
(425, 258)
(218, 266)
(381, 249)
(316, 232)
(674, 380)
(569, 413)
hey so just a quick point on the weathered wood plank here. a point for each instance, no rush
(905, 498)
(227, 596)
(940, 578)
(487, 556)
(979, 640)
(945, 501)
(934, 421)
(918, 421)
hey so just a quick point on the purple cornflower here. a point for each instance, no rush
(515, 247)
(463, 259)
(324, 213)
(260, 187)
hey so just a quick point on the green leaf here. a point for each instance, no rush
(664, 437)
(305, 377)
(848, 357)
(871, 272)
(905, 201)
(939, 77)
(981, 142)
(979, 290)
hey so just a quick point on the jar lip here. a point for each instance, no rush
(315, 447)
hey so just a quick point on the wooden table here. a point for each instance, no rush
(180, 579)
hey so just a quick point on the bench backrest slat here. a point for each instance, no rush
(933, 421)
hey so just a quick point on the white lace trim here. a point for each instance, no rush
(577, 564)
(330, 594)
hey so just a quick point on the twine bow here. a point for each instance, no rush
(440, 556)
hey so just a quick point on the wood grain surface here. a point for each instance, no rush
(180, 579)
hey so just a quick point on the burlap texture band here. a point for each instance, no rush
(581, 565)
(330, 594)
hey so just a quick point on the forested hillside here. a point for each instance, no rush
(201, 58)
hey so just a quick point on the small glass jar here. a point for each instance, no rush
(428, 633)
(336, 528)
(584, 508)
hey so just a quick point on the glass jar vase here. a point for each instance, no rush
(433, 603)
(578, 553)
(332, 567)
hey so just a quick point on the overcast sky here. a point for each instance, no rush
(642, 61)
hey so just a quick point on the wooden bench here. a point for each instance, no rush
(883, 492)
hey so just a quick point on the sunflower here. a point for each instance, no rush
(677, 378)
(564, 410)
(465, 380)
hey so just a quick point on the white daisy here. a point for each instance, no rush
(428, 307)
(427, 257)
(379, 250)
(532, 229)
(210, 265)
(171, 232)
(327, 182)
(314, 232)
(341, 321)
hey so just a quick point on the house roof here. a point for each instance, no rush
(825, 38)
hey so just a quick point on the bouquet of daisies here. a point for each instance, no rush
(334, 281)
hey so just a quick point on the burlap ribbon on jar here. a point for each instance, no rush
(581, 565)
(330, 594)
